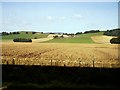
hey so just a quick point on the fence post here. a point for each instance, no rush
(79, 63)
(13, 61)
(51, 62)
(93, 64)
(7, 63)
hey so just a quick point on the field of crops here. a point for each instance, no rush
(60, 54)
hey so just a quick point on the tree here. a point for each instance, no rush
(55, 36)
(33, 32)
(113, 32)
(78, 33)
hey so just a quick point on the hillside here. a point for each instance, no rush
(102, 39)
(23, 34)
(82, 38)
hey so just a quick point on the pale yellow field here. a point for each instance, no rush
(103, 55)
(102, 39)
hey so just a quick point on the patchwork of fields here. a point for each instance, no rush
(86, 50)
(60, 54)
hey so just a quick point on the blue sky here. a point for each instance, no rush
(67, 17)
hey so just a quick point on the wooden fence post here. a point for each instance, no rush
(79, 63)
(13, 61)
(93, 64)
(51, 62)
(7, 63)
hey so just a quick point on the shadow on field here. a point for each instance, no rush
(20, 77)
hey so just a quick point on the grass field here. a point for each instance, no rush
(83, 38)
(24, 35)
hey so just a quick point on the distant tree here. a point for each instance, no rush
(78, 33)
(61, 36)
(17, 33)
(91, 31)
(34, 32)
(10, 33)
(113, 32)
(5, 33)
(51, 33)
(41, 32)
(65, 34)
(14, 32)
(55, 36)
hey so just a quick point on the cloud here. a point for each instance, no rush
(49, 17)
(62, 18)
(78, 16)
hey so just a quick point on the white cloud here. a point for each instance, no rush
(62, 18)
(49, 17)
(78, 16)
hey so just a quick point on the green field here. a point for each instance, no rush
(83, 38)
(24, 35)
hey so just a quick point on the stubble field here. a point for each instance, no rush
(60, 54)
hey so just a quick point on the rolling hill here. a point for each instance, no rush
(24, 35)
(82, 38)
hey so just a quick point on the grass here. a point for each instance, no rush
(24, 35)
(83, 38)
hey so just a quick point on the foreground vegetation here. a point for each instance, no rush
(22, 77)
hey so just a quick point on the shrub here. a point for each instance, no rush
(55, 36)
(34, 32)
(22, 40)
(115, 41)
(35, 38)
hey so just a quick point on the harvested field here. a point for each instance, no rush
(60, 54)
(102, 39)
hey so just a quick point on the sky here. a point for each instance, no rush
(68, 17)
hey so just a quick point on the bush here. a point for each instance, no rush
(115, 41)
(22, 40)
(5, 33)
(91, 31)
(35, 38)
(34, 32)
(55, 36)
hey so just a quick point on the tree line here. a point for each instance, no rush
(6, 33)
(113, 32)
(13, 33)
